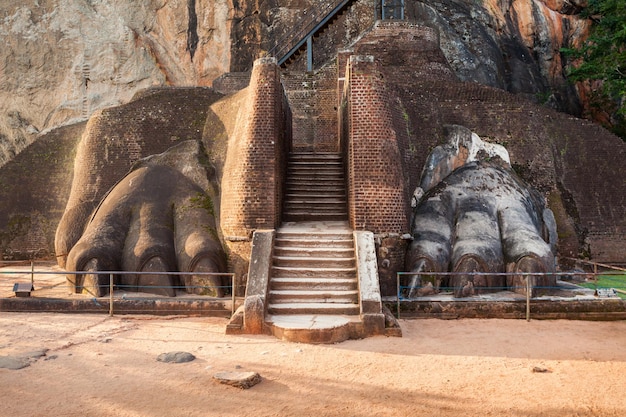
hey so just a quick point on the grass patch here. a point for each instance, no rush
(616, 280)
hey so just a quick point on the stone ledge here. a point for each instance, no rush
(597, 309)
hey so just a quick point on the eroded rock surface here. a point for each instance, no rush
(62, 60)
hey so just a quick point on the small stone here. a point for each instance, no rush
(175, 357)
(14, 363)
(538, 369)
(243, 380)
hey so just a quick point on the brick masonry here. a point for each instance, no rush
(313, 101)
(252, 183)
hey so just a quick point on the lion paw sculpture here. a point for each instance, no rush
(473, 214)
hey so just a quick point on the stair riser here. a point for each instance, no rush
(318, 204)
(313, 263)
(278, 309)
(319, 211)
(304, 217)
(294, 286)
(322, 238)
(315, 243)
(283, 272)
(307, 252)
(322, 298)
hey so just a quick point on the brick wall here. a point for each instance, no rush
(33, 193)
(313, 100)
(378, 200)
(231, 82)
(253, 170)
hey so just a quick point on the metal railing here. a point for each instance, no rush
(45, 285)
(404, 287)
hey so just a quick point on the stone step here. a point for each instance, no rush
(313, 296)
(314, 242)
(315, 189)
(311, 262)
(325, 284)
(319, 209)
(311, 216)
(303, 195)
(315, 176)
(314, 156)
(314, 252)
(315, 163)
(309, 272)
(312, 170)
(326, 168)
(323, 237)
(307, 179)
(312, 328)
(314, 308)
(317, 200)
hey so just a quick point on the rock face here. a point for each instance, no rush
(62, 60)
(513, 44)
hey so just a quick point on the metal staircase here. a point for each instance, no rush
(316, 19)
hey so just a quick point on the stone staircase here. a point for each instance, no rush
(313, 291)
(314, 271)
(314, 279)
(315, 188)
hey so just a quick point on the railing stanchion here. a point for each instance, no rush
(398, 293)
(111, 295)
(32, 274)
(528, 289)
(232, 291)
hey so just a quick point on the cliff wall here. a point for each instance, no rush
(62, 60)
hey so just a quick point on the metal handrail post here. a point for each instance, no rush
(398, 293)
(232, 291)
(111, 295)
(527, 298)
(309, 54)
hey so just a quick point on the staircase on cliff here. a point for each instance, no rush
(316, 19)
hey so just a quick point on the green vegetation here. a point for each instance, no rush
(601, 60)
(617, 281)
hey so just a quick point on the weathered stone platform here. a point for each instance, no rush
(567, 301)
(51, 295)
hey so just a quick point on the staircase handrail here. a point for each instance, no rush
(318, 17)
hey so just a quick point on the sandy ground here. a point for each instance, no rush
(97, 365)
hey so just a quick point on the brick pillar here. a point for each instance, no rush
(253, 170)
(378, 201)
